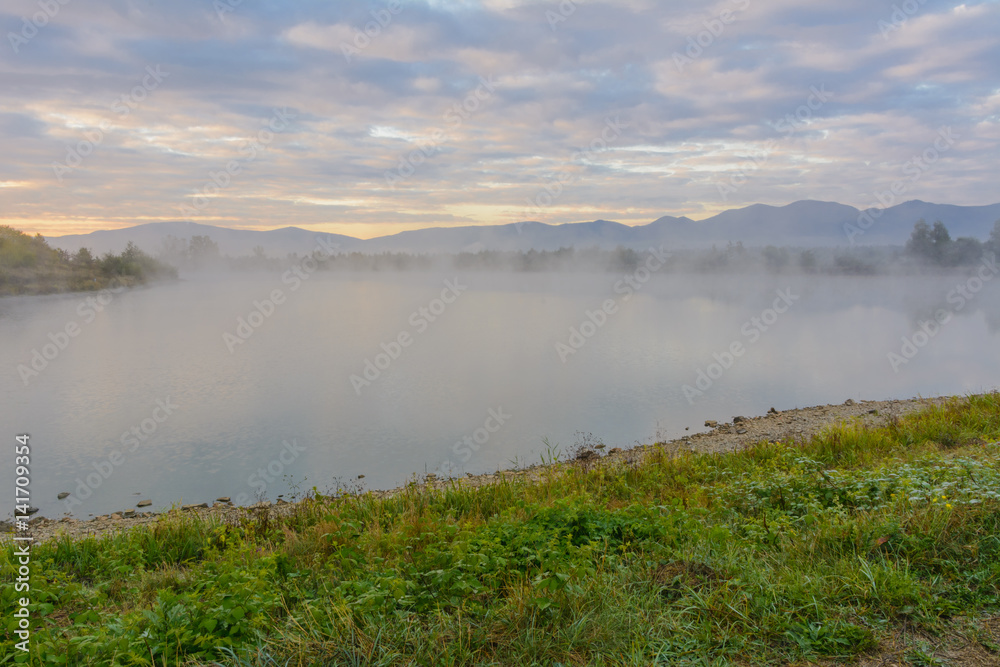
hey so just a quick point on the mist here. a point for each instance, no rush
(265, 383)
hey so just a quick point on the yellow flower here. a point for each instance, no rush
(948, 505)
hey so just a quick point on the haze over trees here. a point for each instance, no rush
(29, 266)
(929, 247)
(934, 245)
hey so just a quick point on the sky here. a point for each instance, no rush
(371, 118)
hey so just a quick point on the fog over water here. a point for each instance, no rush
(161, 394)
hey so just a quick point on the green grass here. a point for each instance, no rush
(788, 553)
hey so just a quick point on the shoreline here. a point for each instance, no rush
(722, 436)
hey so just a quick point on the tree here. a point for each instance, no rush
(964, 251)
(930, 244)
(174, 250)
(83, 257)
(920, 244)
(775, 258)
(807, 261)
(203, 250)
(941, 240)
(993, 245)
(132, 253)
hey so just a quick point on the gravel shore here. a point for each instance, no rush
(725, 435)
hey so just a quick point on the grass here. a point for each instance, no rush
(822, 551)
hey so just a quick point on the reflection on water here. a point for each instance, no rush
(222, 386)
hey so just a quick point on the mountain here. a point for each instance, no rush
(150, 237)
(802, 223)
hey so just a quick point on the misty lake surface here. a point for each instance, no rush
(153, 398)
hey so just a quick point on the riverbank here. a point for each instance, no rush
(875, 541)
(726, 434)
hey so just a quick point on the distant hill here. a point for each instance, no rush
(801, 224)
(150, 237)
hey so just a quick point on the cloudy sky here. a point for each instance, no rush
(368, 118)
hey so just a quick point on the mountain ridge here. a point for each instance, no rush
(803, 223)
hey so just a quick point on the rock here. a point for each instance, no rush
(711, 424)
(741, 431)
(144, 503)
(598, 446)
(739, 420)
(197, 506)
(849, 401)
(31, 510)
(116, 516)
(223, 499)
(772, 411)
(614, 450)
(282, 501)
(64, 494)
(361, 476)
(128, 514)
(587, 455)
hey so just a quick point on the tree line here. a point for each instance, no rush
(28, 265)
(928, 247)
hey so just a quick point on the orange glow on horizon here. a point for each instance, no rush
(55, 227)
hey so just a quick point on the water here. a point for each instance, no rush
(148, 401)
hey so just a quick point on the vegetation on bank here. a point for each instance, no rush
(29, 266)
(824, 550)
(930, 248)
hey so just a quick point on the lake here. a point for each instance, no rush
(264, 385)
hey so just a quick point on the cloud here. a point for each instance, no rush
(411, 85)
